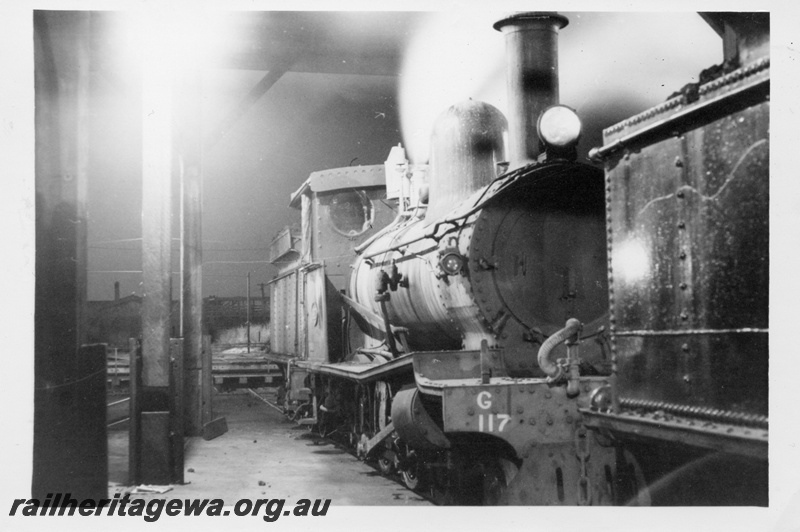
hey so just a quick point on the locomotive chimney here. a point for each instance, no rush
(532, 77)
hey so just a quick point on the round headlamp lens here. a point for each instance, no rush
(559, 127)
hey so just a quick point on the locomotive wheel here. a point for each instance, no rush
(410, 471)
(410, 476)
(386, 465)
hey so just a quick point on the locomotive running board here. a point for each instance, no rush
(357, 372)
(435, 370)
(428, 366)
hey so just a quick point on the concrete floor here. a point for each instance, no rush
(261, 446)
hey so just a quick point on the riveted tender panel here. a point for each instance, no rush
(689, 239)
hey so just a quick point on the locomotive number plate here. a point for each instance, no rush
(488, 421)
(518, 411)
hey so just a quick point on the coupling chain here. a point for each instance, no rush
(582, 453)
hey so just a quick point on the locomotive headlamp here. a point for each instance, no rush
(451, 263)
(559, 127)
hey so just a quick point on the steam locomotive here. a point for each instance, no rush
(507, 325)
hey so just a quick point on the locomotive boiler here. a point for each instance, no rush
(451, 321)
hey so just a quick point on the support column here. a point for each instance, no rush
(156, 220)
(69, 445)
(157, 461)
(189, 142)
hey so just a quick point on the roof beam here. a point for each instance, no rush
(260, 88)
(383, 64)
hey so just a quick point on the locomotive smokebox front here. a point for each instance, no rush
(537, 257)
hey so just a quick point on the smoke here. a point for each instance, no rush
(611, 65)
(453, 56)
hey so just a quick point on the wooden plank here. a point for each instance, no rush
(120, 424)
(215, 428)
(232, 376)
(254, 368)
(118, 410)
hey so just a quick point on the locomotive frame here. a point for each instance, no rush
(404, 333)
